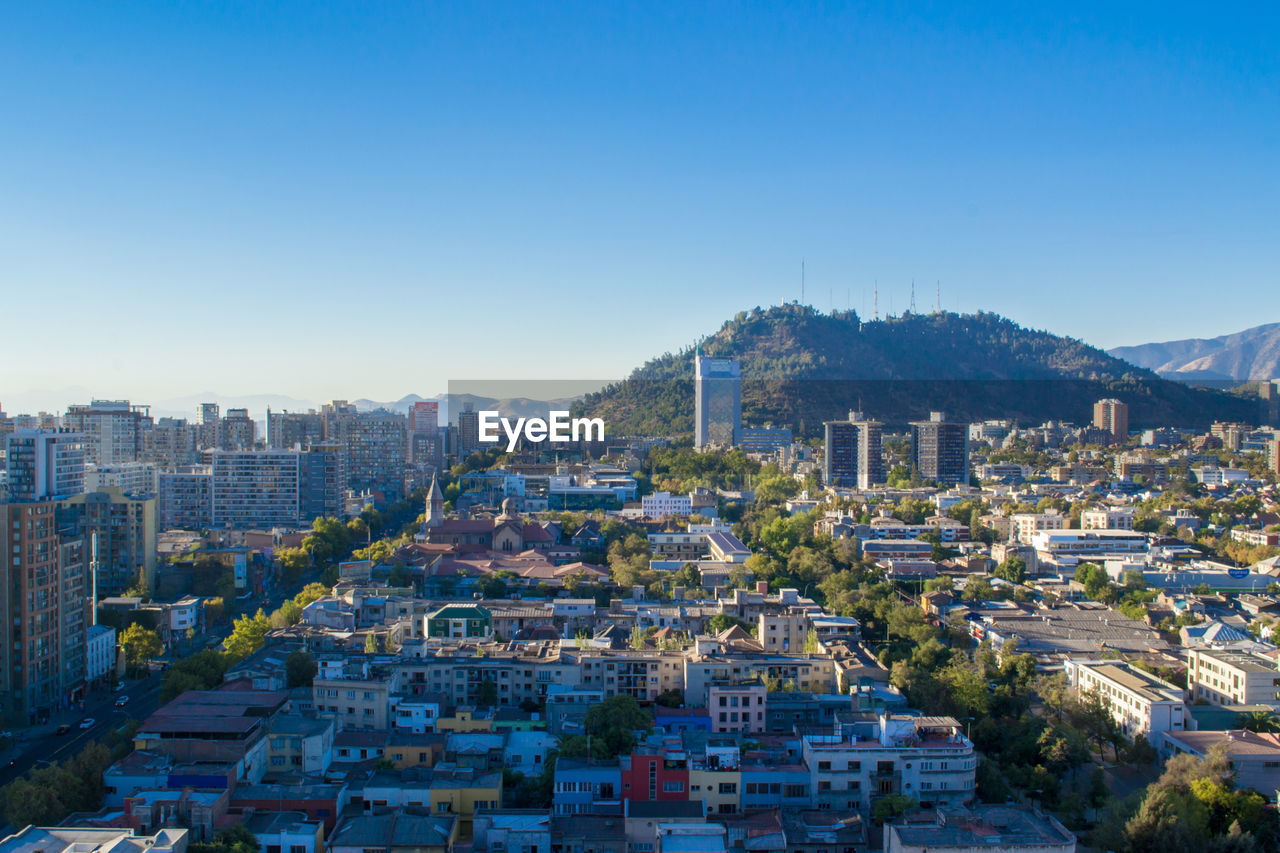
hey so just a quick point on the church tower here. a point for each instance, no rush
(435, 506)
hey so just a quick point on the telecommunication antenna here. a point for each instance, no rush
(912, 309)
(875, 299)
(937, 305)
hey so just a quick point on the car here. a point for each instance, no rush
(121, 701)
(87, 723)
(121, 686)
(63, 729)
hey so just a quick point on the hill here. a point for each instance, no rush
(1251, 354)
(801, 367)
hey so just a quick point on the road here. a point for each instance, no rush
(41, 743)
(37, 743)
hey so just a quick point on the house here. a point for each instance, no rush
(996, 828)
(395, 832)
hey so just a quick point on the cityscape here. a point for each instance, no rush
(639, 428)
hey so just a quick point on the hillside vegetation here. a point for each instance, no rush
(801, 367)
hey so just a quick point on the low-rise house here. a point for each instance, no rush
(395, 832)
(998, 829)
(286, 832)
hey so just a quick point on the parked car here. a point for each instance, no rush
(87, 723)
(121, 701)
(63, 729)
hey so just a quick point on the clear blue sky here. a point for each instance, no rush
(367, 199)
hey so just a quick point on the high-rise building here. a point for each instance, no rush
(185, 499)
(375, 443)
(114, 430)
(255, 490)
(424, 433)
(125, 526)
(853, 457)
(289, 430)
(940, 450)
(172, 444)
(468, 431)
(238, 430)
(131, 478)
(323, 486)
(1112, 416)
(210, 427)
(45, 608)
(717, 402)
(44, 464)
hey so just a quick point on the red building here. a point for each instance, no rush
(656, 775)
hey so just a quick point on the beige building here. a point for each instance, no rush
(1232, 678)
(1140, 703)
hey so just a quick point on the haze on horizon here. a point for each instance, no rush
(350, 201)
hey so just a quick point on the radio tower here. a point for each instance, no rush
(912, 309)
(875, 299)
(937, 305)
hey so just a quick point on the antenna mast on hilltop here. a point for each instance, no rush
(912, 309)
(875, 299)
(937, 305)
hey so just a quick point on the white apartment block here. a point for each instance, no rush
(132, 478)
(663, 504)
(1232, 678)
(926, 758)
(256, 489)
(100, 657)
(1107, 518)
(1028, 524)
(1140, 703)
(1089, 543)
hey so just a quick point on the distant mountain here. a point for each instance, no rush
(1251, 354)
(801, 367)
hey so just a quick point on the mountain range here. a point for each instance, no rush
(801, 367)
(1251, 354)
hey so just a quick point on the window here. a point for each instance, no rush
(728, 787)
(672, 787)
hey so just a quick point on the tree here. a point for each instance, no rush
(722, 622)
(614, 722)
(890, 806)
(1260, 721)
(300, 669)
(202, 671)
(1013, 569)
(141, 645)
(370, 643)
(487, 693)
(247, 635)
(311, 592)
(233, 839)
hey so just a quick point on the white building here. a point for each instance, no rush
(1107, 518)
(1088, 543)
(998, 829)
(1211, 476)
(663, 504)
(132, 478)
(926, 758)
(1028, 524)
(1223, 677)
(256, 489)
(1139, 702)
(100, 659)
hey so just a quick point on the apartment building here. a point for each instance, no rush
(43, 464)
(1089, 543)
(1028, 524)
(255, 489)
(42, 656)
(926, 758)
(114, 430)
(737, 706)
(940, 450)
(1107, 518)
(1224, 677)
(1139, 702)
(184, 499)
(356, 703)
(663, 504)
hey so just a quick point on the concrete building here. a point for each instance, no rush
(1223, 677)
(132, 478)
(42, 658)
(1112, 416)
(255, 489)
(940, 450)
(717, 402)
(663, 504)
(853, 457)
(928, 759)
(44, 464)
(1027, 524)
(80, 839)
(239, 432)
(1139, 702)
(1107, 518)
(737, 706)
(114, 430)
(998, 829)
(125, 530)
(294, 430)
(184, 499)
(765, 439)
(100, 652)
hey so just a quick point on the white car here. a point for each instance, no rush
(87, 723)
(121, 701)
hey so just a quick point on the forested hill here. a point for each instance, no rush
(801, 367)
